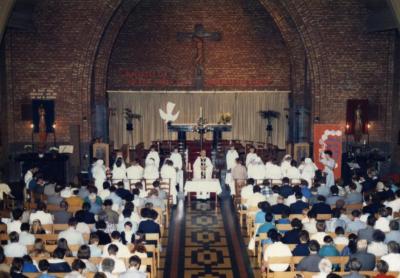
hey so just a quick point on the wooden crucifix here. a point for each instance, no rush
(198, 37)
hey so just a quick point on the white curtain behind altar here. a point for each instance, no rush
(244, 106)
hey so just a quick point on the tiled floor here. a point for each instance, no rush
(206, 247)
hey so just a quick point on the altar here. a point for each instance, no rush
(203, 188)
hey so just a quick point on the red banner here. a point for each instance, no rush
(328, 137)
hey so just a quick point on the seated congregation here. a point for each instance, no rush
(303, 227)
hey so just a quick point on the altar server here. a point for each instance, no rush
(151, 170)
(176, 159)
(168, 173)
(202, 167)
(251, 156)
(329, 165)
(134, 172)
(307, 170)
(231, 156)
(153, 154)
(256, 169)
(99, 174)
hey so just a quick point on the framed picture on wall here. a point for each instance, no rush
(102, 151)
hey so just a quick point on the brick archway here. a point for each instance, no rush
(292, 19)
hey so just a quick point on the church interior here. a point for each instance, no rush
(183, 138)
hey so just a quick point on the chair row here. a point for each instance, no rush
(305, 274)
(148, 262)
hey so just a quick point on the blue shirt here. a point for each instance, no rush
(260, 217)
(328, 251)
(264, 228)
(29, 267)
(306, 192)
(301, 249)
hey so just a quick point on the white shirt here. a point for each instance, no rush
(44, 217)
(254, 199)
(392, 260)
(135, 172)
(277, 249)
(99, 173)
(74, 274)
(133, 273)
(72, 236)
(231, 156)
(395, 204)
(119, 265)
(26, 238)
(123, 250)
(83, 228)
(14, 226)
(382, 223)
(15, 249)
(285, 165)
(341, 240)
(377, 248)
(319, 236)
(247, 191)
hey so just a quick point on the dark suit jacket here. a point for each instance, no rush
(148, 227)
(285, 190)
(321, 208)
(124, 194)
(279, 208)
(309, 263)
(291, 237)
(367, 260)
(85, 216)
(301, 249)
(298, 207)
(104, 238)
(60, 267)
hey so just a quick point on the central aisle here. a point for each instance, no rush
(205, 242)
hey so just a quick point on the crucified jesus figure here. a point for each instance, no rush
(197, 38)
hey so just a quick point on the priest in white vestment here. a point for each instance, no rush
(176, 159)
(202, 170)
(202, 167)
(153, 154)
(256, 170)
(329, 165)
(169, 174)
(251, 156)
(134, 173)
(307, 170)
(151, 170)
(272, 171)
(99, 174)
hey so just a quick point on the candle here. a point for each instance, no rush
(201, 112)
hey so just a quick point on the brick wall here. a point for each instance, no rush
(265, 41)
(251, 54)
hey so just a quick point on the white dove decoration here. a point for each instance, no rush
(168, 116)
